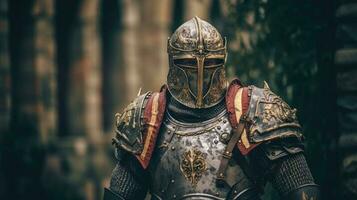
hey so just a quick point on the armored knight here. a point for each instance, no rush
(202, 138)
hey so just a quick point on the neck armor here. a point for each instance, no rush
(191, 115)
(197, 54)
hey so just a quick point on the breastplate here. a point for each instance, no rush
(187, 157)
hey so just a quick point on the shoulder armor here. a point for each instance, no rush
(270, 117)
(139, 125)
(129, 125)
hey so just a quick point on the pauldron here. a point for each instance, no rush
(129, 126)
(270, 117)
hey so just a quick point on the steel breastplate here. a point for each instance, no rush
(187, 157)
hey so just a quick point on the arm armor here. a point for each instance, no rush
(129, 126)
(279, 155)
(128, 177)
(283, 163)
(127, 180)
(293, 179)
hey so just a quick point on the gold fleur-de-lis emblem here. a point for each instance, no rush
(193, 165)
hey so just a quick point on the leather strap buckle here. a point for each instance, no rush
(227, 154)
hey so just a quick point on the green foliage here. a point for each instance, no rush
(288, 44)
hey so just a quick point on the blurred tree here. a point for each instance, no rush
(33, 114)
(84, 74)
(112, 62)
(346, 67)
(199, 8)
(290, 45)
(5, 79)
(5, 98)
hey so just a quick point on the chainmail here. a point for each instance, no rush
(125, 185)
(185, 114)
(292, 173)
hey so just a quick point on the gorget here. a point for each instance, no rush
(187, 157)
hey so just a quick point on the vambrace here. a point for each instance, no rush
(308, 192)
(293, 179)
(244, 189)
(110, 195)
(124, 185)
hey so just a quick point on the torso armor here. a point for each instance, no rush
(182, 159)
(187, 158)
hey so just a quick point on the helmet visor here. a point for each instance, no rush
(199, 72)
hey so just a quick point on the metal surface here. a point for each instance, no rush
(197, 54)
(271, 117)
(110, 195)
(129, 126)
(184, 166)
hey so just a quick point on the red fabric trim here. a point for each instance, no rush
(230, 95)
(147, 117)
(245, 100)
(147, 112)
(244, 151)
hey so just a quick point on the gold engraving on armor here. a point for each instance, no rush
(196, 40)
(193, 133)
(127, 115)
(266, 86)
(193, 165)
(275, 108)
(306, 197)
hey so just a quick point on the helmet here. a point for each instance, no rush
(197, 54)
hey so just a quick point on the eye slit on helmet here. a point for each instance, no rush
(186, 62)
(213, 62)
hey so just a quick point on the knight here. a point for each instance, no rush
(201, 137)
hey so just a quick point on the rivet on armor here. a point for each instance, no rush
(235, 191)
(174, 196)
(172, 148)
(215, 141)
(224, 136)
(218, 127)
(172, 181)
(168, 132)
(217, 193)
(224, 121)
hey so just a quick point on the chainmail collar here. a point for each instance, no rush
(186, 114)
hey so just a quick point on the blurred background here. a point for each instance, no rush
(67, 66)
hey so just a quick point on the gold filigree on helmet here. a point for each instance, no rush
(197, 54)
